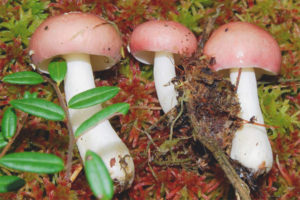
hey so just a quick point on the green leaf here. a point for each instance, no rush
(24, 78)
(98, 176)
(93, 97)
(40, 108)
(101, 115)
(33, 162)
(57, 69)
(28, 95)
(3, 142)
(9, 123)
(10, 183)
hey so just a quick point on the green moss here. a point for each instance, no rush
(24, 22)
(189, 14)
(277, 109)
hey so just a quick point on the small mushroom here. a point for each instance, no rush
(85, 40)
(161, 42)
(244, 46)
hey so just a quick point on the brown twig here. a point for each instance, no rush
(240, 186)
(259, 124)
(146, 107)
(207, 31)
(76, 172)
(238, 79)
(69, 126)
(19, 128)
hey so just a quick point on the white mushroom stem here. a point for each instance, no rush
(102, 138)
(250, 145)
(164, 72)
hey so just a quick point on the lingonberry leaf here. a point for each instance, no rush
(9, 123)
(39, 108)
(3, 141)
(98, 176)
(93, 97)
(24, 78)
(10, 183)
(57, 69)
(105, 113)
(33, 162)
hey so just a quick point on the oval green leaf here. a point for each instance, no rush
(57, 69)
(93, 97)
(98, 176)
(105, 113)
(3, 142)
(9, 123)
(33, 162)
(24, 78)
(40, 108)
(10, 183)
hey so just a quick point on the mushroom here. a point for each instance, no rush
(85, 40)
(247, 47)
(161, 42)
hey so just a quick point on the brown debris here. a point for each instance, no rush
(214, 101)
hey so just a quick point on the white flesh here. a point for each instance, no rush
(164, 72)
(250, 145)
(102, 138)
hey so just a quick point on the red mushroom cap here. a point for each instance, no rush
(76, 32)
(157, 35)
(241, 45)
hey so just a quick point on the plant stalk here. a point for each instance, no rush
(69, 126)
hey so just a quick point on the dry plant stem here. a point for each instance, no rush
(149, 137)
(207, 31)
(19, 128)
(70, 130)
(259, 124)
(174, 121)
(169, 116)
(238, 79)
(76, 173)
(239, 185)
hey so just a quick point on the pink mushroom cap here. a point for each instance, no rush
(243, 45)
(159, 35)
(76, 32)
